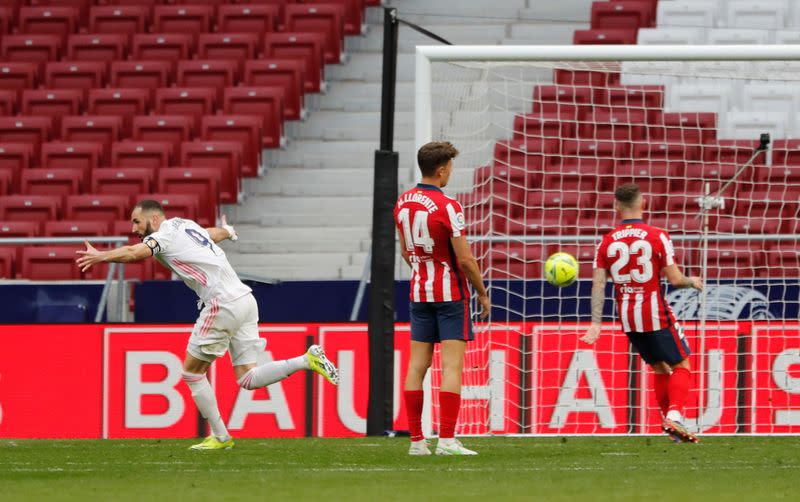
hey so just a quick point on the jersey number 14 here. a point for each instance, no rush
(416, 233)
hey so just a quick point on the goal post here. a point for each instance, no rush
(545, 134)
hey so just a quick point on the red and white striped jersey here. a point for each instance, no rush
(635, 253)
(427, 219)
(188, 250)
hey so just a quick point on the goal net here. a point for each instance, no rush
(546, 134)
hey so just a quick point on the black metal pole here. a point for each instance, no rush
(381, 294)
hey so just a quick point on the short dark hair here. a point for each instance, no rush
(627, 194)
(434, 155)
(150, 205)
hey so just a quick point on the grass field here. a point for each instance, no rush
(585, 468)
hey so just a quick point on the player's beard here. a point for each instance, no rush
(148, 229)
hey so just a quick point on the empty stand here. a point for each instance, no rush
(202, 181)
(161, 46)
(103, 129)
(263, 102)
(53, 103)
(60, 182)
(226, 157)
(30, 48)
(37, 208)
(82, 75)
(17, 76)
(141, 74)
(243, 129)
(122, 19)
(49, 263)
(319, 18)
(122, 102)
(31, 130)
(105, 47)
(14, 158)
(122, 180)
(173, 129)
(218, 74)
(228, 46)
(96, 207)
(192, 102)
(49, 20)
(306, 47)
(284, 73)
(83, 156)
(69, 228)
(248, 18)
(141, 154)
(20, 229)
(191, 19)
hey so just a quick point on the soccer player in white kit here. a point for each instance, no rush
(229, 318)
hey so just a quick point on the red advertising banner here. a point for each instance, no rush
(579, 388)
(776, 378)
(51, 381)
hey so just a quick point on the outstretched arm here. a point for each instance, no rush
(219, 234)
(598, 298)
(124, 254)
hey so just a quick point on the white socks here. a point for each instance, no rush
(674, 415)
(275, 371)
(206, 402)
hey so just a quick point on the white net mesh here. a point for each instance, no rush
(543, 146)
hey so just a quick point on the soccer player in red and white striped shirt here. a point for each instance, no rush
(637, 255)
(431, 229)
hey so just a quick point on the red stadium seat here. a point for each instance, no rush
(678, 223)
(31, 130)
(783, 260)
(218, 74)
(554, 98)
(53, 103)
(593, 79)
(140, 74)
(192, 102)
(63, 181)
(6, 20)
(744, 225)
(37, 208)
(60, 21)
(284, 73)
(226, 157)
(244, 129)
(306, 47)
(122, 19)
(84, 156)
(186, 19)
(585, 254)
(30, 48)
(14, 158)
(78, 228)
(122, 180)
(249, 18)
(81, 6)
(733, 260)
(580, 173)
(538, 125)
(516, 260)
(6, 181)
(690, 128)
(732, 151)
(593, 148)
(657, 150)
(543, 222)
(202, 181)
(82, 75)
(263, 102)
(615, 124)
(768, 201)
(625, 14)
(655, 176)
(716, 174)
(144, 3)
(18, 76)
(104, 129)
(8, 102)
(646, 97)
(173, 129)
(20, 229)
(531, 155)
(122, 102)
(7, 261)
(353, 14)
(176, 205)
(785, 152)
(605, 36)
(161, 47)
(51, 263)
(780, 174)
(143, 154)
(320, 18)
(96, 207)
(228, 46)
(105, 47)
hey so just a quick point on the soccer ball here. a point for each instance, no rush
(561, 269)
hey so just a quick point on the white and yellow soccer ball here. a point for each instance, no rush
(561, 269)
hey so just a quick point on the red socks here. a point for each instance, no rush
(661, 387)
(414, 400)
(449, 405)
(679, 389)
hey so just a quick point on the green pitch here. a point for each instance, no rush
(378, 469)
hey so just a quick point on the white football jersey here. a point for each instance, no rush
(187, 249)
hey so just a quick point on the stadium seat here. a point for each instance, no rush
(18, 76)
(237, 47)
(691, 128)
(104, 129)
(615, 124)
(218, 74)
(263, 102)
(542, 125)
(8, 102)
(20, 229)
(657, 150)
(733, 260)
(81, 6)
(244, 129)
(353, 14)
(743, 225)
(579, 173)
(593, 148)
(552, 98)
(185, 19)
(14, 158)
(671, 35)
(96, 207)
(173, 129)
(320, 18)
(61, 181)
(226, 157)
(784, 153)
(202, 181)
(681, 13)
(60, 21)
(306, 47)
(728, 151)
(122, 180)
(284, 73)
(37, 208)
(78, 228)
(759, 14)
(31, 130)
(248, 18)
(783, 260)
(122, 102)
(737, 36)
(647, 97)
(625, 14)
(53, 103)
(605, 36)
(140, 74)
(141, 154)
(51, 263)
(516, 260)
(658, 176)
(584, 253)
(678, 223)
(161, 47)
(105, 47)
(6, 181)
(768, 201)
(6, 20)
(7, 262)
(82, 75)
(531, 154)
(192, 102)
(691, 97)
(715, 173)
(122, 19)
(84, 156)
(543, 222)
(30, 48)
(175, 205)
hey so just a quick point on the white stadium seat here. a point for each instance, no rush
(671, 36)
(764, 14)
(783, 37)
(700, 97)
(738, 36)
(681, 13)
(771, 97)
(750, 125)
(652, 72)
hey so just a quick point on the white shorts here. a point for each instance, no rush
(227, 326)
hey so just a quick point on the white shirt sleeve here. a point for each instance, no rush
(669, 250)
(456, 216)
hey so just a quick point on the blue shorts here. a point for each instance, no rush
(432, 322)
(665, 345)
